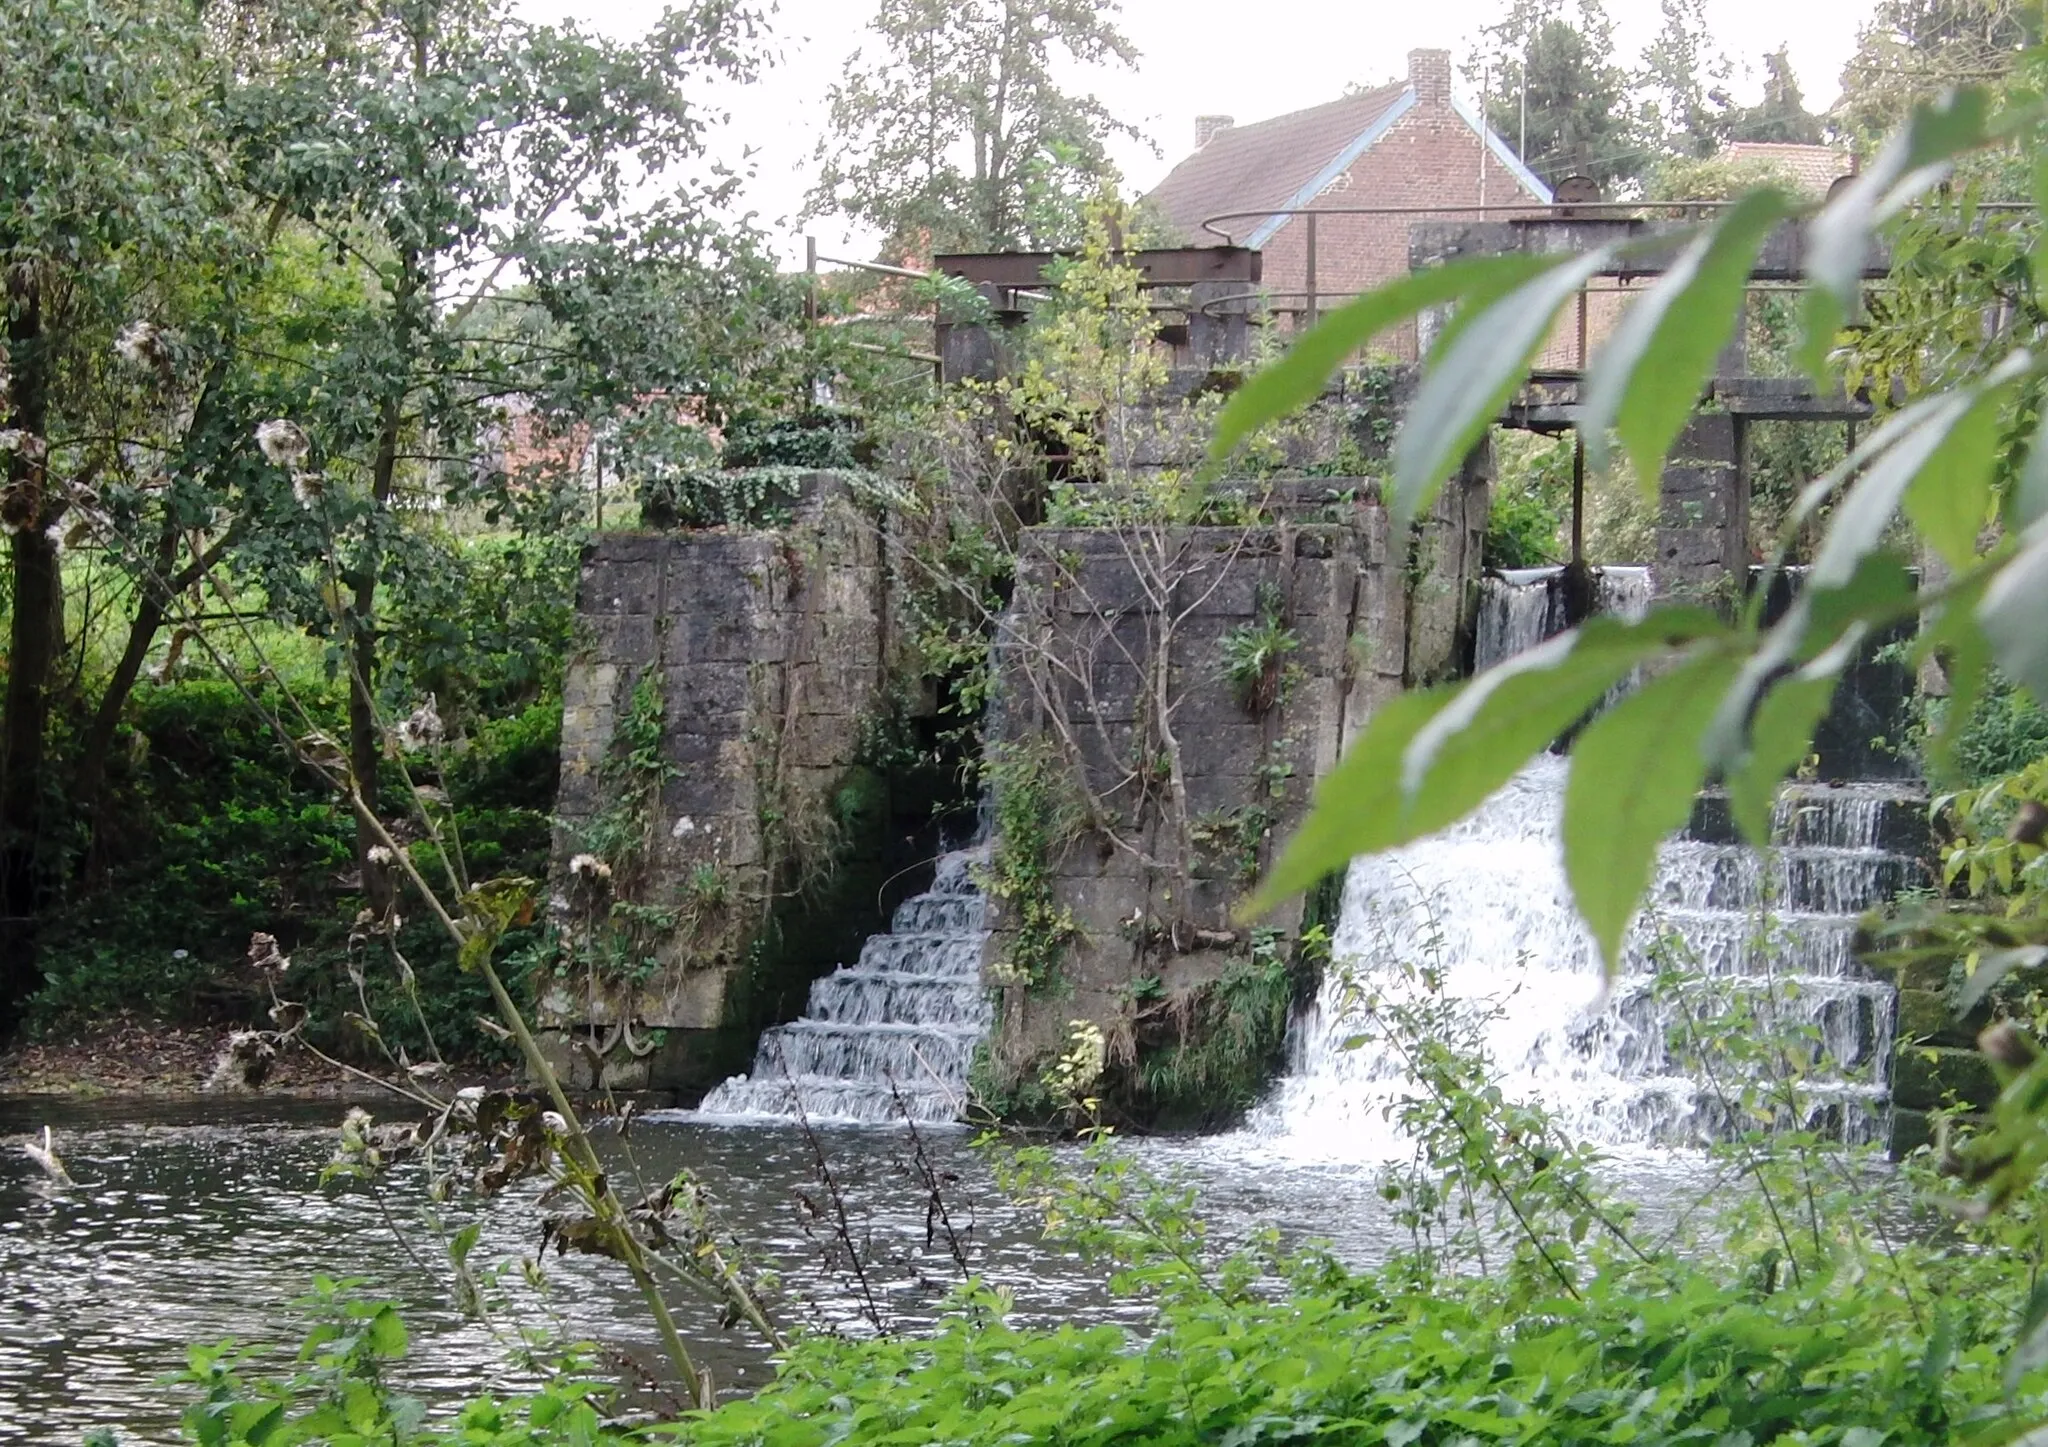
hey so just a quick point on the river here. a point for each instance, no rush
(198, 1223)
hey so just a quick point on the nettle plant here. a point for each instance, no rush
(1964, 462)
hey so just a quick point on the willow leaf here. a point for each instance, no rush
(1647, 379)
(1472, 375)
(1633, 776)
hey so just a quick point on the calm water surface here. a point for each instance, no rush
(198, 1224)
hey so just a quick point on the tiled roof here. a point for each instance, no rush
(1810, 168)
(1246, 168)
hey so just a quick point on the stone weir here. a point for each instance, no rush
(720, 841)
(1156, 765)
(890, 1037)
(1726, 930)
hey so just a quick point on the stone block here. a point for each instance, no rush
(1927, 1076)
(1226, 587)
(697, 691)
(621, 638)
(1924, 1017)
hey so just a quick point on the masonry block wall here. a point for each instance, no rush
(1703, 517)
(1109, 624)
(766, 649)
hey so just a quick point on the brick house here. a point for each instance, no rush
(1410, 147)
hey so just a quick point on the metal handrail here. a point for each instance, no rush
(1531, 210)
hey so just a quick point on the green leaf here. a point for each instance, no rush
(1358, 807)
(1472, 374)
(464, 1242)
(1911, 162)
(2028, 502)
(1427, 759)
(1779, 735)
(387, 1333)
(2031, 1349)
(1646, 381)
(1298, 378)
(1634, 773)
(1949, 499)
(1951, 635)
(1867, 509)
(2014, 614)
(1992, 968)
(1824, 626)
(1503, 717)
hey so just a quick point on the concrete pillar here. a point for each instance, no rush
(1703, 513)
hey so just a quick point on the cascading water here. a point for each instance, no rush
(1520, 607)
(1484, 907)
(891, 1036)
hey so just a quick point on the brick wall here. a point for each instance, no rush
(1429, 158)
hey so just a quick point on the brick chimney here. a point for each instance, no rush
(1429, 72)
(1207, 127)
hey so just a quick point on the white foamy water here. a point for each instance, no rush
(890, 1036)
(1485, 905)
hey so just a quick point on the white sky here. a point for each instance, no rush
(1245, 58)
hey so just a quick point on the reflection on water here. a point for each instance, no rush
(197, 1224)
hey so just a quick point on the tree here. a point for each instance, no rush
(1912, 50)
(1686, 83)
(1557, 93)
(1781, 115)
(112, 210)
(369, 234)
(440, 149)
(958, 133)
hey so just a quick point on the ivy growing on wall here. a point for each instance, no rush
(1036, 818)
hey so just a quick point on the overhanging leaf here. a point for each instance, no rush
(1866, 510)
(1949, 498)
(1779, 736)
(1994, 967)
(1823, 627)
(1914, 159)
(2028, 502)
(1358, 806)
(1633, 775)
(1647, 379)
(1426, 759)
(1298, 378)
(1510, 712)
(2014, 614)
(1472, 374)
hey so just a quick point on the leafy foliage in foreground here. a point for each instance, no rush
(1359, 1360)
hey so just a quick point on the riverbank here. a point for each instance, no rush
(130, 1057)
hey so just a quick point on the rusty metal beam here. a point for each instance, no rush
(1177, 266)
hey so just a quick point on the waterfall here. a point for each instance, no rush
(891, 1035)
(1486, 904)
(1521, 607)
(1483, 909)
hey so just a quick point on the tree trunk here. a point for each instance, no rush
(35, 637)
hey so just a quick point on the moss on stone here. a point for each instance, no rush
(1927, 1076)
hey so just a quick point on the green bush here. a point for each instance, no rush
(1531, 501)
(220, 835)
(2004, 733)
